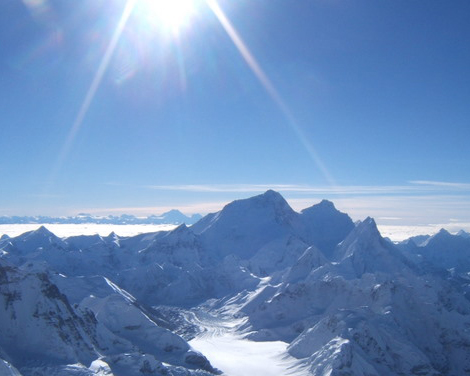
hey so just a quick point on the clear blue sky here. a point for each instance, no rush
(366, 103)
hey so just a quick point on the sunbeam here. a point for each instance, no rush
(95, 84)
(269, 87)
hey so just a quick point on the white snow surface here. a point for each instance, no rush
(235, 355)
(240, 357)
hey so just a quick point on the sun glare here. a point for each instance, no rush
(170, 15)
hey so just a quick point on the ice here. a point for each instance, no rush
(234, 355)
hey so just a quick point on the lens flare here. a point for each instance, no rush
(168, 15)
(269, 87)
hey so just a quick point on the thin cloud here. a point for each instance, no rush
(442, 184)
(290, 188)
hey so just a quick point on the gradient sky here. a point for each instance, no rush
(366, 103)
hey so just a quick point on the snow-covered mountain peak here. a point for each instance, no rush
(325, 226)
(364, 235)
(268, 198)
(38, 239)
(272, 195)
(244, 226)
(446, 251)
(365, 251)
(463, 234)
(112, 236)
(42, 231)
(441, 237)
(270, 202)
(443, 232)
(369, 225)
(181, 229)
(323, 205)
(179, 235)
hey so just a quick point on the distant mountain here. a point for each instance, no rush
(346, 300)
(442, 250)
(170, 217)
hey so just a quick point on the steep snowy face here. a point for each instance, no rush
(43, 335)
(277, 256)
(365, 251)
(7, 369)
(126, 320)
(244, 226)
(180, 247)
(38, 324)
(311, 260)
(356, 342)
(325, 226)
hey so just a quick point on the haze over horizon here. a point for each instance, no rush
(134, 107)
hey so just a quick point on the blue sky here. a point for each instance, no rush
(365, 103)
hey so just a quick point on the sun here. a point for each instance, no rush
(168, 15)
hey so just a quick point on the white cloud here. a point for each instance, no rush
(442, 184)
(292, 188)
(413, 187)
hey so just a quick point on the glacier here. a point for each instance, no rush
(256, 288)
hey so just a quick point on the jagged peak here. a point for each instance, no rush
(368, 226)
(443, 231)
(365, 251)
(370, 222)
(112, 236)
(324, 206)
(365, 231)
(442, 234)
(41, 232)
(181, 229)
(463, 234)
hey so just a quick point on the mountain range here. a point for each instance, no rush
(171, 217)
(343, 299)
